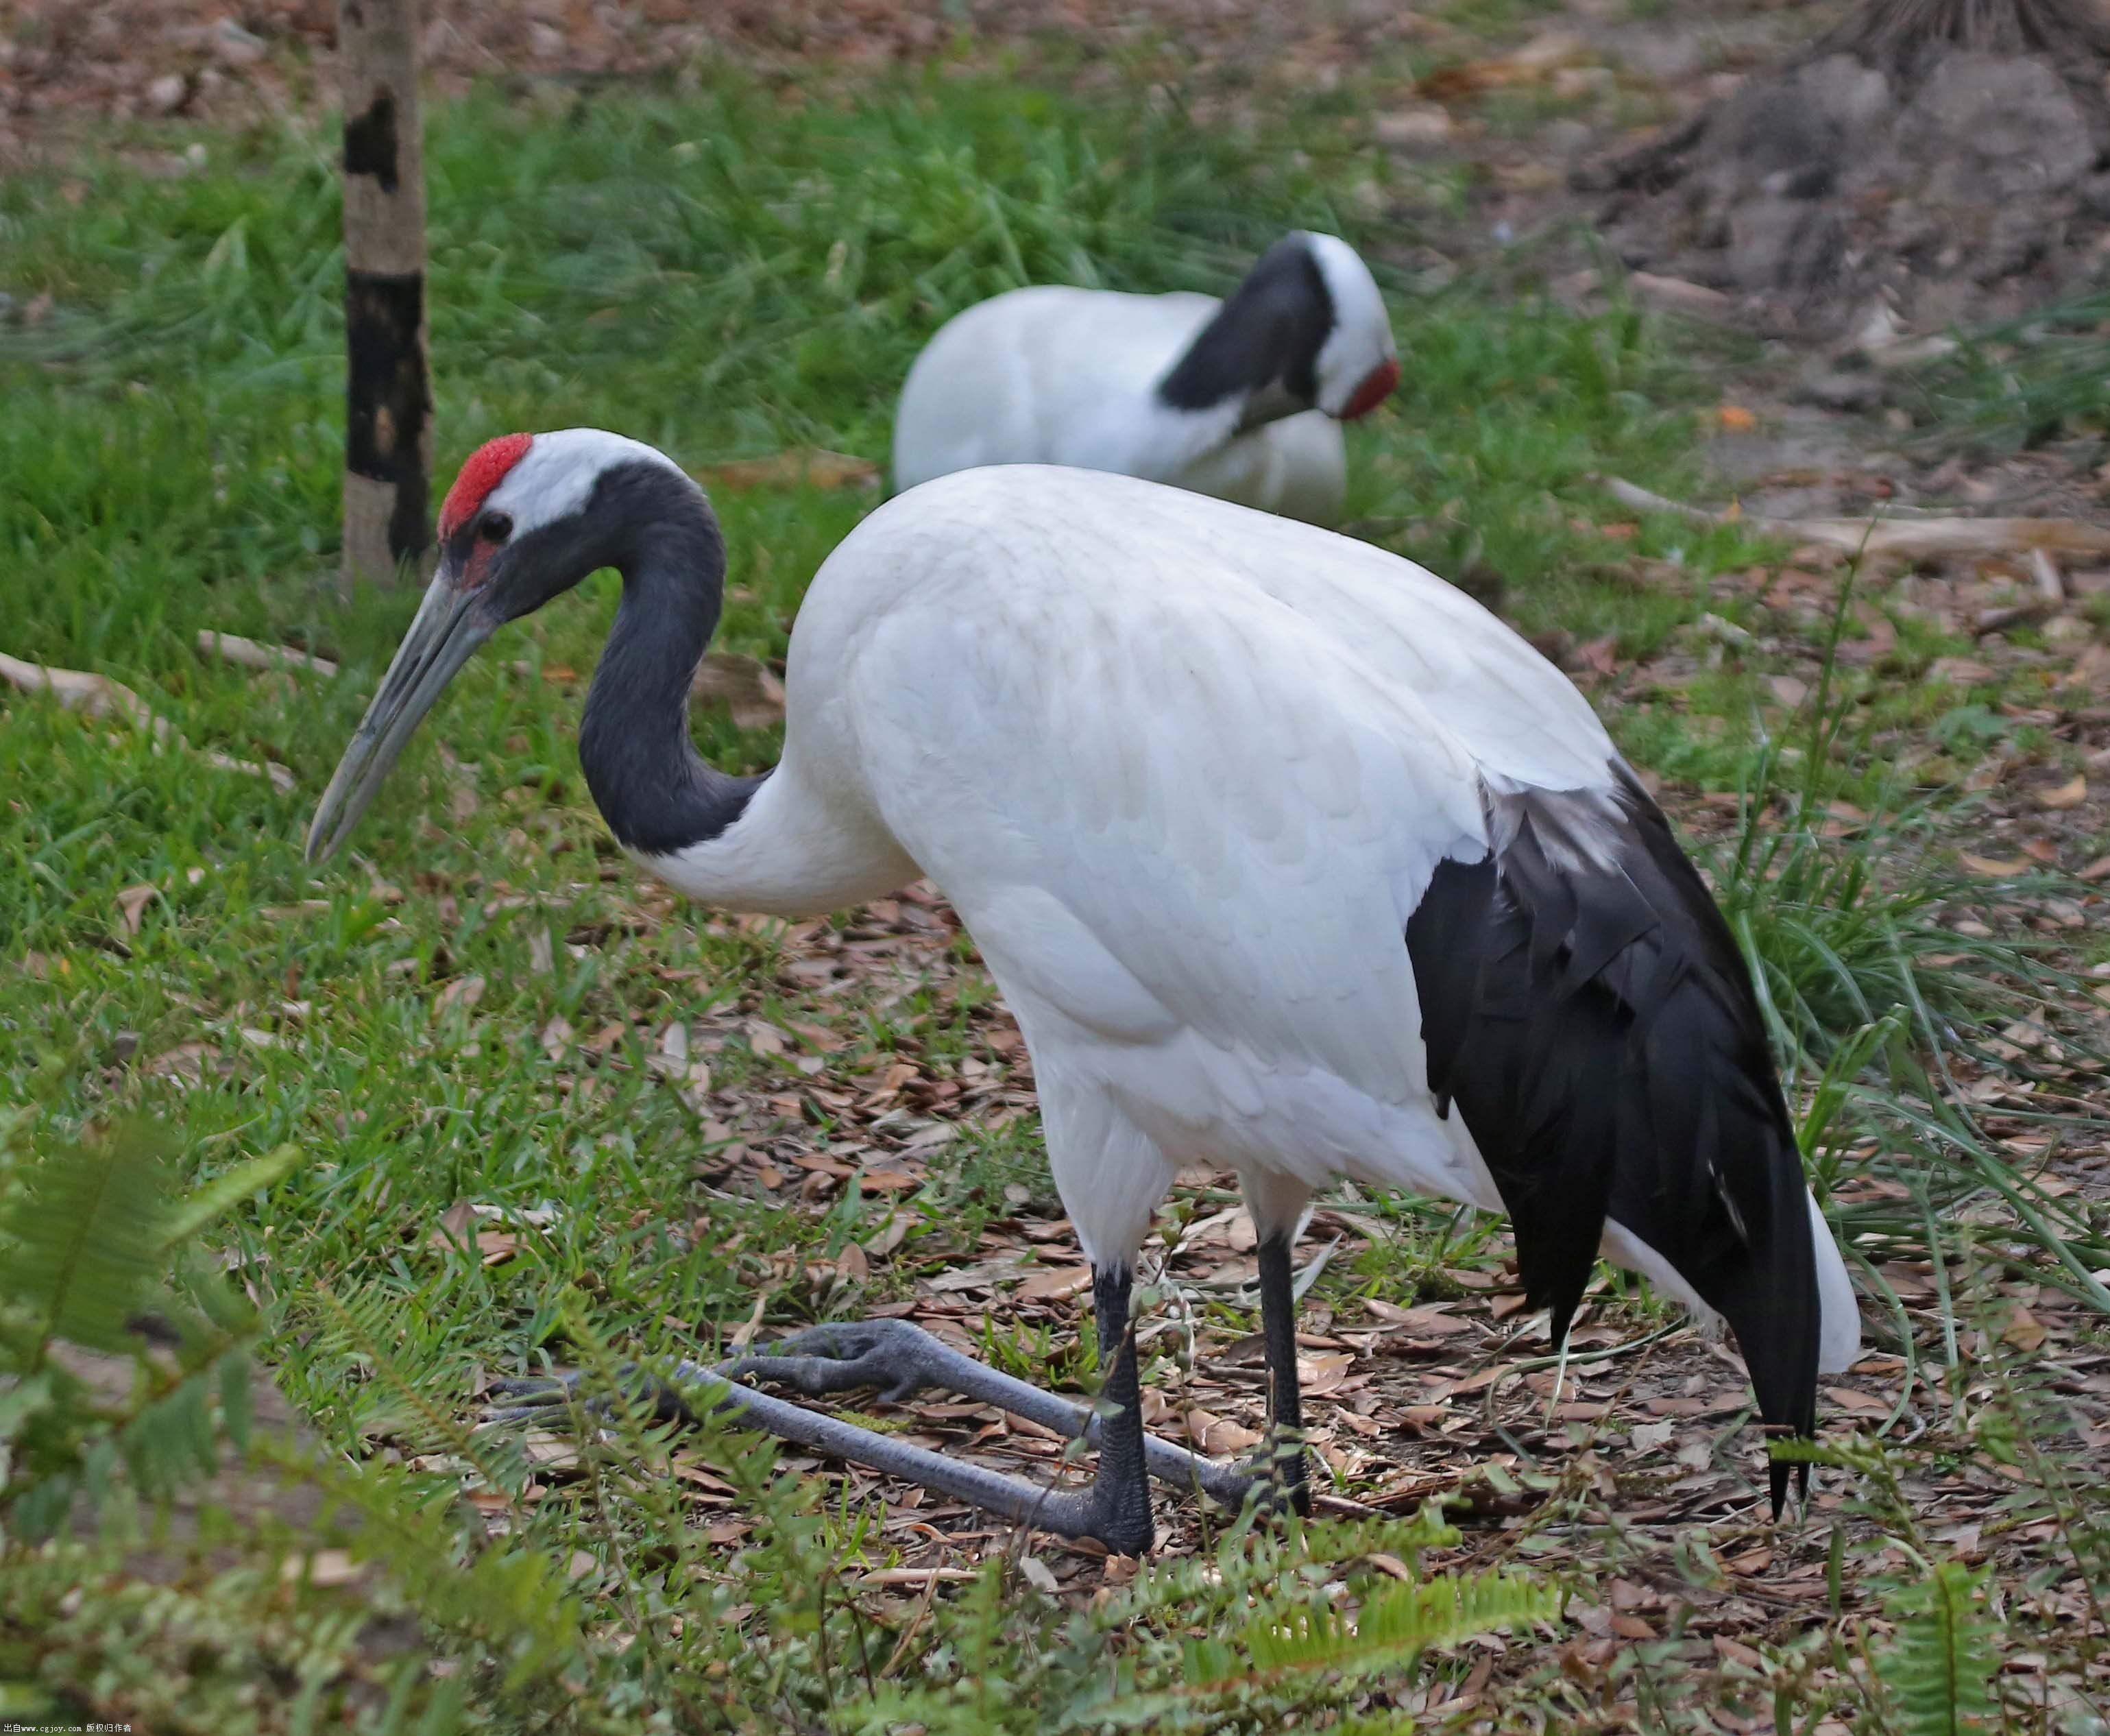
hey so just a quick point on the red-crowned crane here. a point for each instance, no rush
(1287, 856)
(1240, 398)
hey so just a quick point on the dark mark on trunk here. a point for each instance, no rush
(388, 402)
(369, 142)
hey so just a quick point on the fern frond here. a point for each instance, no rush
(363, 1323)
(223, 1192)
(1938, 1667)
(1292, 1644)
(507, 1592)
(84, 1225)
(1394, 1627)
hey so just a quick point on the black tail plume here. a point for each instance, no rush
(1585, 1008)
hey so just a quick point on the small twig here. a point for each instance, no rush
(100, 696)
(1909, 539)
(1644, 500)
(233, 648)
(917, 1576)
(2051, 584)
(909, 1633)
(2013, 614)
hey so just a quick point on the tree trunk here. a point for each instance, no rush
(1892, 32)
(389, 436)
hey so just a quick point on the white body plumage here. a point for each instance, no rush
(1057, 375)
(1186, 771)
(1051, 375)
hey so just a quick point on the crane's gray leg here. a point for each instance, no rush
(1285, 1403)
(1119, 1499)
(1115, 1509)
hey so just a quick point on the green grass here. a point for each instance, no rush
(2025, 382)
(725, 274)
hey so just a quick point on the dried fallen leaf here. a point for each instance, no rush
(1600, 656)
(889, 1181)
(2024, 1331)
(1735, 416)
(132, 903)
(814, 465)
(1055, 1283)
(452, 1229)
(184, 1064)
(1039, 1574)
(496, 1246)
(1217, 1435)
(542, 952)
(1788, 690)
(1534, 63)
(463, 992)
(1322, 1374)
(745, 685)
(1427, 125)
(324, 1567)
(1677, 295)
(1992, 867)
(1433, 1319)
(2066, 796)
(888, 1236)
(550, 1453)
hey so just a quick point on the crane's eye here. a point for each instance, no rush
(495, 528)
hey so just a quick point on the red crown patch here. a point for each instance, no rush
(484, 471)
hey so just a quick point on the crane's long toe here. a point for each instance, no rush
(896, 1359)
(543, 1398)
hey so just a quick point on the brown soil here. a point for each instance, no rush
(65, 62)
(1950, 166)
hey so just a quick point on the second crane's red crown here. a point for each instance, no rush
(484, 471)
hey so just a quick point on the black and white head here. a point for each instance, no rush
(1307, 329)
(528, 518)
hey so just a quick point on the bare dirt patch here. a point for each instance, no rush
(1939, 168)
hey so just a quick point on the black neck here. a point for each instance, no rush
(1268, 333)
(657, 793)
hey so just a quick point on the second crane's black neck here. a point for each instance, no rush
(1267, 333)
(657, 793)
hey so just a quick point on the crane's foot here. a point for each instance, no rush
(896, 1359)
(1115, 1510)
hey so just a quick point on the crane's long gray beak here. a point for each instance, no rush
(448, 629)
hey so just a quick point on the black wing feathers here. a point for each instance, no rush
(1593, 1023)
